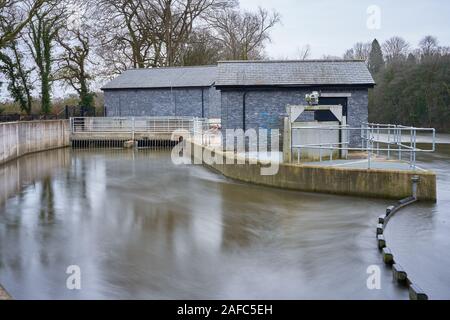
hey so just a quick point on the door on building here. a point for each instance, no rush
(326, 115)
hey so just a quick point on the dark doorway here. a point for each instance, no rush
(327, 115)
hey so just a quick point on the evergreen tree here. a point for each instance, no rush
(376, 61)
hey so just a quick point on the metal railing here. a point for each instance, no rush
(392, 141)
(153, 125)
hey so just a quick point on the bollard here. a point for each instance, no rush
(382, 219)
(400, 274)
(388, 257)
(389, 210)
(381, 242)
(416, 293)
(380, 229)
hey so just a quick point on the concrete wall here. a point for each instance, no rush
(384, 184)
(163, 102)
(20, 138)
(266, 109)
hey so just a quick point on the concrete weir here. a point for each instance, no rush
(386, 184)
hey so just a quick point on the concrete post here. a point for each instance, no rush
(344, 136)
(388, 257)
(287, 141)
(400, 274)
(416, 293)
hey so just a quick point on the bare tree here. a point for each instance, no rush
(202, 49)
(304, 52)
(243, 34)
(396, 49)
(14, 16)
(74, 62)
(429, 46)
(125, 39)
(360, 51)
(149, 33)
(174, 21)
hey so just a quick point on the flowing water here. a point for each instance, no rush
(141, 228)
(420, 234)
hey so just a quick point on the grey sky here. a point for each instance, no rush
(332, 26)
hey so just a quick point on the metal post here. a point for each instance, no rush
(415, 148)
(389, 143)
(434, 140)
(378, 140)
(411, 153)
(133, 128)
(369, 149)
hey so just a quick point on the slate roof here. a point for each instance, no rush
(173, 77)
(293, 73)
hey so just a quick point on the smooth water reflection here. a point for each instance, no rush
(139, 227)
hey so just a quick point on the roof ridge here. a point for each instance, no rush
(289, 61)
(178, 67)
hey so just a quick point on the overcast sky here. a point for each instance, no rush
(332, 26)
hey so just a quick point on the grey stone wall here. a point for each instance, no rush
(214, 104)
(266, 109)
(163, 102)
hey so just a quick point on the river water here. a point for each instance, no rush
(141, 228)
(420, 234)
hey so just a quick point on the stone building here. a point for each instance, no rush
(244, 94)
(162, 92)
(254, 94)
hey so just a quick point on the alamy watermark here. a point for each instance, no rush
(374, 279)
(73, 281)
(374, 17)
